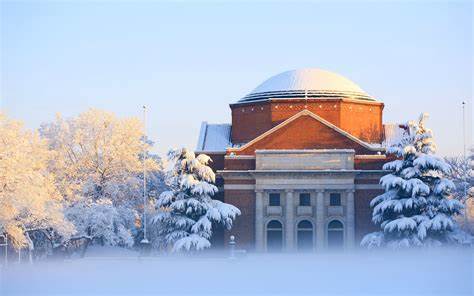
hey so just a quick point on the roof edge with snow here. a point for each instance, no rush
(214, 137)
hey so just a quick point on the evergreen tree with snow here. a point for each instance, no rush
(187, 209)
(417, 208)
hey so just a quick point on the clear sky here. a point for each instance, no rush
(188, 61)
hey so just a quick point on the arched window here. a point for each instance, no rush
(305, 236)
(335, 234)
(274, 236)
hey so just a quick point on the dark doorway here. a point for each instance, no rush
(274, 236)
(305, 236)
(335, 235)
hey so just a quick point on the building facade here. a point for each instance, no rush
(302, 159)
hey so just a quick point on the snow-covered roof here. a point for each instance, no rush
(214, 137)
(307, 83)
(393, 133)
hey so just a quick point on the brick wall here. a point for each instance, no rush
(284, 109)
(359, 118)
(363, 212)
(305, 132)
(240, 181)
(249, 121)
(239, 164)
(362, 120)
(244, 226)
(369, 164)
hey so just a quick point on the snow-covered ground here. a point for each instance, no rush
(430, 272)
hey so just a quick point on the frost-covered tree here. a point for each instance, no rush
(187, 210)
(469, 203)
(29, 200)
(471, 176)
(98, 164)
(155, 186)
(101, 220)
(461, 174)
(417, 208)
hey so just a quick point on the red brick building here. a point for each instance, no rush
(302, 159)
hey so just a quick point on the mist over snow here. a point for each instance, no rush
(423, 272)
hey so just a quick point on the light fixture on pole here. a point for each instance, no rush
(145, 239)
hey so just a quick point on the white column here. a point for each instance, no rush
(289, 221)
(350, 220)
(320, 221)
(259, 227)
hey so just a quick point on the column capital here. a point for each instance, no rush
(289, 190)
(350, 190)
(320, 190)
(259, 190)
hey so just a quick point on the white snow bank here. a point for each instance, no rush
(109, 251)
(430, 272)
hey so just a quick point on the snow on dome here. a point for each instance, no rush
(307, 83)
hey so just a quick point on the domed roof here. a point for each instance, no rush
(307, 83)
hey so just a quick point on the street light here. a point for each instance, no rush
(464, 159)
(144, 241)
(464, 144)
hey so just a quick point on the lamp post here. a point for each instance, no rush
(464, 144)
(144, 241)
(464, 158)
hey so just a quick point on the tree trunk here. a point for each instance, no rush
(31, 248)
(84, 249)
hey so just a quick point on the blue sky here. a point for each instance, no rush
(188, 61)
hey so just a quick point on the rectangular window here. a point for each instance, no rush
(335, 199)
(274, 199)
(305, 199)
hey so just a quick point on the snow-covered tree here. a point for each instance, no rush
(461, 174)
(101, 220)
(469, 203)
(98, 164)
(155, 186)
(187, 210)
(29, 200)
(471, 176)
(417, 208)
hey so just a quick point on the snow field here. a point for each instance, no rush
(427, 272)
